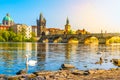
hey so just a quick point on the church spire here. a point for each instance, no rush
(41, 16)
(67, 21)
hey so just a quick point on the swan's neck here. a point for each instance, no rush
(26, 60)
(26, 63)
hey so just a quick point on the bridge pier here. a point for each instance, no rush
(102, 41)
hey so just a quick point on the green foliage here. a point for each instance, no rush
(2, 39)
(32, 39)
(12, 35)
(33, 34)
(10, 29)
(70, 32)
(5, 35)
(9, 35)
(18, 38)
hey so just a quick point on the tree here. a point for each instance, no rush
(32, 34)
(2, 39)
(18, 38)
(70, 32)
(12, 35)
(5, 35)
(10, 29)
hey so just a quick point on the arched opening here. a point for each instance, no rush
(91, 40)
(57, 40)
(45, 41)
(113, 40)
(73, 40)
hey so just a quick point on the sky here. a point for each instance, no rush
(92, 15)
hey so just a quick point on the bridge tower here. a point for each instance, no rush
(67, 26)
(41, 25)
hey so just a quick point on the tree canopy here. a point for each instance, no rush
(10, 36)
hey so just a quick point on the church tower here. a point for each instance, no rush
(7, 20)
(67, 26)
(41, 25)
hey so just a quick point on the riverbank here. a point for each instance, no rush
(112, 74)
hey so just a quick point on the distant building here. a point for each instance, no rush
(34, 30)
(54, 31)
(7, 20)
(2, 27)
(67, 27)
(28, 32)
(41, 25)
(22, 29)
(60, 32)
(82, 32)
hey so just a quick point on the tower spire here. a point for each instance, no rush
(41, 16)
(67, 21)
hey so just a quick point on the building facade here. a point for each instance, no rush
(54, 31)
(2, 27)
(22, 29)
(7, 20)
(67, 27)
(41, 25)
(34, 30)
(83, 31)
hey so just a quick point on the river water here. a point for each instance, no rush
(51, 56)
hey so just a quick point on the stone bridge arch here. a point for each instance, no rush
(45, 40)
(113, 39)
(58, 39)
(73, 39)
(91, 40)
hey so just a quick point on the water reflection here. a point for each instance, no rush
(42, 50)
(70, 50)
(51, 56)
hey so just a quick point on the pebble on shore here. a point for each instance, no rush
(112, 74)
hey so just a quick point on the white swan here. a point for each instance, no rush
(30, 62)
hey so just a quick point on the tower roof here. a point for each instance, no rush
(7, 18)
(67, 21)
(41, 16)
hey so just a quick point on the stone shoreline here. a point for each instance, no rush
(112, 74)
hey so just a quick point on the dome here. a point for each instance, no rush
(7, 18)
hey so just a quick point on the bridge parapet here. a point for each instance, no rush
(101, 37)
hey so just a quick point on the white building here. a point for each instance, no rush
(23, 29)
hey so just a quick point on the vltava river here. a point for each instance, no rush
(51, 56)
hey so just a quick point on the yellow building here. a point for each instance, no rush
(82, 32)
(60, 32)
(67, 27)
(51, 31)
(22, 29)
(54, 31)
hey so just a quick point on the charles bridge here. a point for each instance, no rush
(102, 37)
